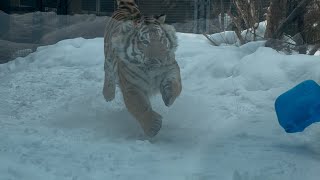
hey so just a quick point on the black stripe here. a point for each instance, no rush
(134, 75)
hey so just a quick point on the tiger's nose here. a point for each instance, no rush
(156, 50)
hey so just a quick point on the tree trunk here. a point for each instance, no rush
(5, 24)
(275, 15)
(222, 16)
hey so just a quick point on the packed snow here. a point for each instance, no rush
(55, 123)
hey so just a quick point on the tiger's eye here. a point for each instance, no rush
(145, 42)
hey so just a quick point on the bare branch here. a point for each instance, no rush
(298, 11)
(237, 23)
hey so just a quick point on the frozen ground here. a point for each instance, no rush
(55, 124)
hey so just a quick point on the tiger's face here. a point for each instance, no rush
(146, 41)
(152, 42)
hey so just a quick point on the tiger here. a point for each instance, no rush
(140, 58)
(126, 10)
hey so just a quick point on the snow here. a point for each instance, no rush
(231, 38)
(55, 123)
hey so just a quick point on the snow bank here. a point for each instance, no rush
(27, 31)
(231, 38)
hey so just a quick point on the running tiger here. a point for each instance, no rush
(140, 57)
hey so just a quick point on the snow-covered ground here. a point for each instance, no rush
(56, 125)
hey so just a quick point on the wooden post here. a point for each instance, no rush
(98, 8)
(39, 5)
(4, 17)
(196, 16)
(208, 13)
(201, 16)
(62, 7)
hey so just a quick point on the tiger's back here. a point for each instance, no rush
(127, 10)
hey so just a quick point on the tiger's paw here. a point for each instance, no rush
(109, 92)
(168, 99)
(152, 123)
(169, 93)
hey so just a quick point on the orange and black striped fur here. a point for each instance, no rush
(127, 10)
(140, 57)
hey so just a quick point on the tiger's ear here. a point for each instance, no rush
(161, 18)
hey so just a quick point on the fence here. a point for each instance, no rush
(192, 16)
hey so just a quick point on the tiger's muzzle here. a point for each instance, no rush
(156, 52)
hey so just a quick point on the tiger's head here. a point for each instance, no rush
(126, 3)
(147, 40)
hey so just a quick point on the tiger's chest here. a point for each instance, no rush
(147, 78)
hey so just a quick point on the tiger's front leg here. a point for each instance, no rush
(170, 87)
(139, 106)
(109, 86)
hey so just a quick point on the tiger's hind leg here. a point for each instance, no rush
(138, 104)
(170, 87)
(109, 86)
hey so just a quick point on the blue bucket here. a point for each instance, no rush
(299, 107)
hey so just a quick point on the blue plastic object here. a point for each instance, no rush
(299, 107)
